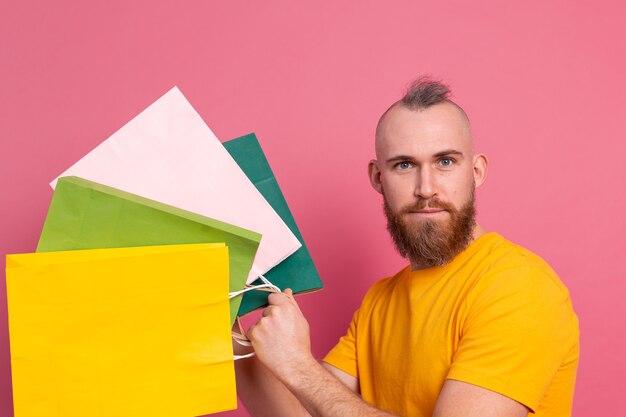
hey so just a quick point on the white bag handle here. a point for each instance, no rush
(240, 336)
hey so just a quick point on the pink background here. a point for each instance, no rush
(543, 83)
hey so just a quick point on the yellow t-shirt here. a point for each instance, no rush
(497, 316)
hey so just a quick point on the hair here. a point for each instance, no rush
(423, 93)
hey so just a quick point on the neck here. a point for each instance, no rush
(476, 233)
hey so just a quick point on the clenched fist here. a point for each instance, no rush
(281, 337)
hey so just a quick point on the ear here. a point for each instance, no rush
(374, 174)
(481, 164)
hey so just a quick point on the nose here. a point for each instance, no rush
(425, 186)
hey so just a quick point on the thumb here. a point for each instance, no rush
(289, 293)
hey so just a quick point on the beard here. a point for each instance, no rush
(429, 243)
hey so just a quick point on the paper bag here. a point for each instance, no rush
(297, 271)
(168, 154)
(121, 332)
(87, 215)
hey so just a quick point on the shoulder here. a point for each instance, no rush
(517, 285)
(507, 265)
(383, 293)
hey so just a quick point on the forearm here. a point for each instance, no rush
(262, 393)
(281, 340)
(323, 395)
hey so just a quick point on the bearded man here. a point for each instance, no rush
(474, 326)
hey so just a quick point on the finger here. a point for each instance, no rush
(250, 333)
(277, 298)
(266, 311)
(289, 293)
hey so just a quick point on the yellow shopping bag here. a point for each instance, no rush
(141, 331)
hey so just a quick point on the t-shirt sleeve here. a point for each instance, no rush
(517, 329)
(343, 355)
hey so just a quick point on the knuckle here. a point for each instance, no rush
(264, 323)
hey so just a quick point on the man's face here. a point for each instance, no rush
(427, 173)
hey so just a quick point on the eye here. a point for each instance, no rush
(404, 165)
(446, 162)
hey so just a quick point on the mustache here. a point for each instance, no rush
(422, 204)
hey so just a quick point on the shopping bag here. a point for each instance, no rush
(297, 271)
(87, 215)
(121, 332)
(168, 154)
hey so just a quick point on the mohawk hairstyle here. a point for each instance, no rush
(425, 92)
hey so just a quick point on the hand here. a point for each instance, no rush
(281, 338)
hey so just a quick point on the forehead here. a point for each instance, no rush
(423, 133)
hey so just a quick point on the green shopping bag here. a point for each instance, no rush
(297, 271)
(87, 215)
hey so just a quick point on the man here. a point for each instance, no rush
(475, 326)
